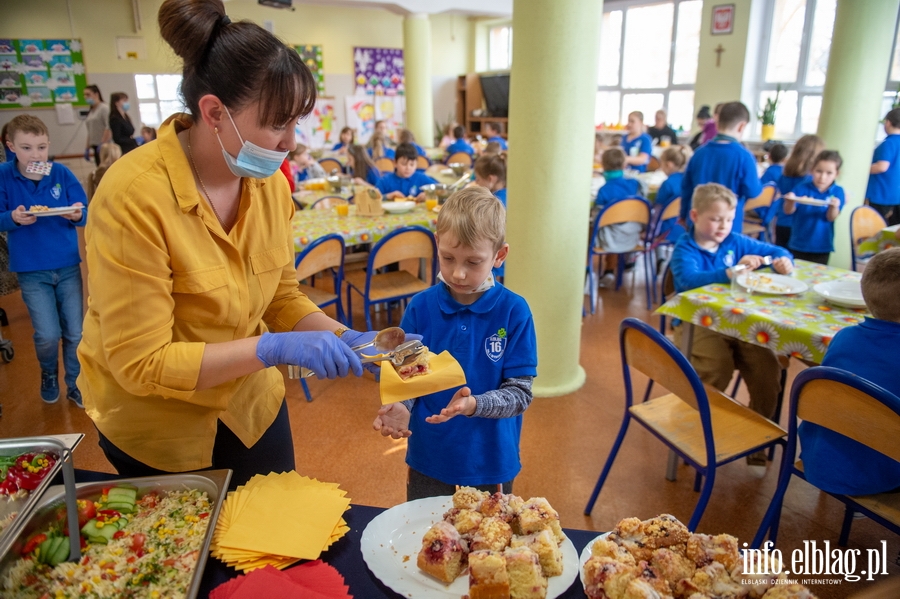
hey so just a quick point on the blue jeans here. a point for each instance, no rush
(54, 302)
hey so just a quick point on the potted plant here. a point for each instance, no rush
(767, 116)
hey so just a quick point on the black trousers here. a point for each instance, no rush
(420, 486)
(818, 258)
(890, 213)
(96, 155)
(782, 236)
(274, 452)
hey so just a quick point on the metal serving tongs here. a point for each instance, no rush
(387, 342)
(404, 353)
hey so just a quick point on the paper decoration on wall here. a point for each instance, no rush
(317, 130)
(378, 71)
(361, 116)
(312, 56)
(39, 73)
(390, 109)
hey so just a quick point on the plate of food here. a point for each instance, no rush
(38, 210)
(843, 292)
(771, 283)
(398, 207)
(810, 201)
(438, 535)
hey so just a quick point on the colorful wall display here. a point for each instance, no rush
(390, 109)
(317, 130)
(312, 56)
(41, 73)
(361, 116)
(378, 71)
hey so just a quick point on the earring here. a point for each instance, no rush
(216, 130)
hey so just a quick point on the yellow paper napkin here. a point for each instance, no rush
(446, 373)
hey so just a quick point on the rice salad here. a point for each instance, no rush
(153, 555)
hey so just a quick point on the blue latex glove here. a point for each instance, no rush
(320, 351)
(355, 338)
(87, 154)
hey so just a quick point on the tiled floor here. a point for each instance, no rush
(564, 443)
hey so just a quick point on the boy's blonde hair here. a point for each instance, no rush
(881, 285)
(26, 123)
(710, 193)
(472, 215)
(109, 153)
(677, 155)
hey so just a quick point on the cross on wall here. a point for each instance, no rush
(718, 52)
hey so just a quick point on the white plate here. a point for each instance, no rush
(397, 207)
(844, 292)
(586, 555)
(772, 284)
(811, 201)
(392, 540)
(55, 211)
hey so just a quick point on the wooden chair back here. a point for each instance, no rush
(330, 164)
(328, 202)
(643, 352)
(865, 222)
(635, 210)
(673, 210)
(406, 243)
(422, 163)
(460, 158)
(763, 200)
(326, 252)
(653, 165)
(668, 285)
(385, 165)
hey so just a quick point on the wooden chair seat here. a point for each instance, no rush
(737, 429)
(317, 296)
(355, 260)
(886, 505)
(387, 285)
(752, 229)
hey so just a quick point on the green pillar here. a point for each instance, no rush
(551, 138)
(417, 64)
(857, 70)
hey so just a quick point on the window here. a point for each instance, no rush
(159, 97)
(500, 48)
(648, 61)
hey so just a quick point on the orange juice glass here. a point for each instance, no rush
(342, 209)
(431, 204)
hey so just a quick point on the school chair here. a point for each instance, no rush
(704, 427)
(385, 165)
(422, 163)
(754, 226)
(653, 165)
(330, 164)
(324, 254)
(851, 406)
(631, 209)
(328, 202)
(865, 222)
(459, 158)
(394, 286)
(656, 239)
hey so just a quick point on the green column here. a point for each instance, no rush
(857, 70)
(417, 63)
(551, 138)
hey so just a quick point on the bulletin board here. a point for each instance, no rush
(317, 129)
(379, 71)
(312, 56)
(41, 73)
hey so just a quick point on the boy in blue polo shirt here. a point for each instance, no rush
(637, 145)
(494, 132)
(471, 436)
(406, 137)
(725, 161)
(44, 251)
(812, 231)
(883, 191)
(460, 145)
(831, 461)
(405, 181)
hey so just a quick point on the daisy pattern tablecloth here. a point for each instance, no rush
(800, 326)
(309, 225)
(886, 239)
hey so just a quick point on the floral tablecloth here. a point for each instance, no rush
(886, 239)
(309, 225)
(800, 326)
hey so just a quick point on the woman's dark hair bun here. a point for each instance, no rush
(188, 25)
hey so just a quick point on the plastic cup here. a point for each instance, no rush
(431, 203)
(342, 209)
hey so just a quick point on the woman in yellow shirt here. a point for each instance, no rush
(190, 260)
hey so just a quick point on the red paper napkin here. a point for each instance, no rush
(312, 580)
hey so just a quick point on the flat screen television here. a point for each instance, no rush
(495, 89)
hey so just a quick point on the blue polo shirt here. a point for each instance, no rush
(493, 339)
(500, 194)
(811, 231)
(884, 188)
(410, 186)
(419, 149)
(785, 185)
(642, 144)
(693, 266)
(51, 242)
(669, 191)
(499, 140)
(725, 161)
(772, 174)
(373, 176)
(616, 188)
(388, 153)
(338, 146)
(836, 463)
(460, 145)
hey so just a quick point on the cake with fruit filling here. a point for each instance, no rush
(526, 580)
(488, 578)
(443, 553)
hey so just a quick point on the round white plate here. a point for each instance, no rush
(54, 211)
(392, 540)
(397, 207)
(844, 292)
(773, 284)
(586, 555)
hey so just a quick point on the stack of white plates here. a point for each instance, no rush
(844, 292)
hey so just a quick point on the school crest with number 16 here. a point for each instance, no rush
(495, 345)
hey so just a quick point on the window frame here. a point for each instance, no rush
(490, 28)
(156, 100)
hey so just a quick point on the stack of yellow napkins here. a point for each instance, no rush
(277, 520)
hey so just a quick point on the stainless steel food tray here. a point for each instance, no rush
(213, 482)
(62, 446)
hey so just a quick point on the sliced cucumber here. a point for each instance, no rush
(61, 553)
(121, 506)
(122, 494)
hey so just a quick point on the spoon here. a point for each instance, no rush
(388, 342)
(385, 340)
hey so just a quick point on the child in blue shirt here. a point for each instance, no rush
(405, 180)
(407, 137)
(672, 163)
(347, 139)
(361, 166)
(304, 166)
(708, 253)
(379, 147)
(460, 144)
(44, 251)
(798, 166)
(637, 145)
(494, 132)
(490, 173)
(812, 232)
(725, 161)
(777, 155)
(883, 190)
(468, 436)
(620, 237)
(833, 462)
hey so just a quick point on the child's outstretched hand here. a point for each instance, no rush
(392, 421)
(74, 216)
(20, 218)
(783, 266)
(463, 402)
(752, 262)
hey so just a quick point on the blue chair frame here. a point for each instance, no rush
(772, 517)
(654, 241)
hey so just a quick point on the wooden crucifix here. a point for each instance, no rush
(718, 52)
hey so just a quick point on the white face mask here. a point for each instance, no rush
(485, 285)
(252, 161)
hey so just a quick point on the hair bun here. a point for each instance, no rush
(188, 25)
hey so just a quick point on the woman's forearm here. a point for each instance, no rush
(317, 321)
(223, 362)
